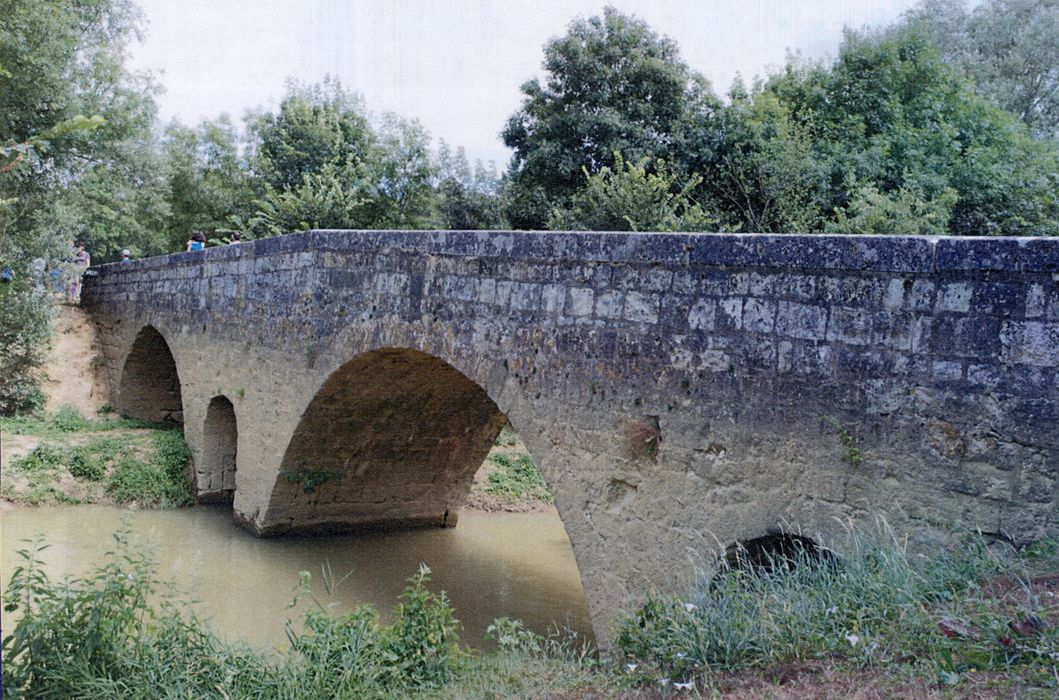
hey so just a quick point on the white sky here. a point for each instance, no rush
(456, 65)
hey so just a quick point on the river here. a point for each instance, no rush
(518, 565)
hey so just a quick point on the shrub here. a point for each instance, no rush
(42, 458)
(163, 481)
(516, 478)
(68, 420)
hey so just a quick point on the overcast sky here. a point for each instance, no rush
(456, 65)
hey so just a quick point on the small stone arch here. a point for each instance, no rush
(776, 550)
(150, 385)
(215, 471)
(392, 439)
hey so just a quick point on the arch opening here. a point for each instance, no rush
(215, 474)
(776, 551)
(150, 386)
(392, 439)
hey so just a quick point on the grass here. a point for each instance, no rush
(878, 607)
(147, 468)
(66, 420)
(516, 478)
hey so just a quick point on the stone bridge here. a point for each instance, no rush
(677, 391)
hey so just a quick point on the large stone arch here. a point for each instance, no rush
(215, 470)
(392, 439)
(149, 388)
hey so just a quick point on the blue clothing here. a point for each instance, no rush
(197, 245)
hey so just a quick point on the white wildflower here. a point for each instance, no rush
(690, 607)
(852, 639)
(631, 667)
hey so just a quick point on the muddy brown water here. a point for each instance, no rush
(518, 565)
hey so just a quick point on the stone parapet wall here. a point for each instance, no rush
(675, 389)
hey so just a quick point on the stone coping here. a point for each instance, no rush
(906, 254)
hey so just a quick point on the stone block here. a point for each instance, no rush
(641, 307)
(759, 315)
(702, 315)
(801, 320)
(580, 301)
(1030, 342)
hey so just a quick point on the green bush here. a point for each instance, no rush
(516, 478)
(42, 458)
(68, 420)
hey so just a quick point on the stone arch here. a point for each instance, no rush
(150, 385)
(392, 439)
(215, 470)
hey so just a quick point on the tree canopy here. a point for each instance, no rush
(612, 85)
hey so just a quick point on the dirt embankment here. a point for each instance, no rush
(75, 363)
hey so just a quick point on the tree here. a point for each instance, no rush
(316, 125)
(1008, 48)
(612, 85)
(633, 198)
(466, 199)
(322, 163)
(59, 61)
(889, 133)
(207, 182)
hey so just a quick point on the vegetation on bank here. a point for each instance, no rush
(129, 463)
(965, 612)
(979, 622)
(508, 480)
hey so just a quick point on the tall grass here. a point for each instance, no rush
(875, 604)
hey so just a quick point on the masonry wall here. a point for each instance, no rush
(677, 391)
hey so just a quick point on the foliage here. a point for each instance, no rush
(24, 331)
(145, 470)
(323, 164)
(611, 85)
(516, 478)
(465, 199)
(1008, 48)
(58, 63)
(904, 212)
(207, 181)
(760, 166)
(633, 198)
(888, 139)
(877, 605)
(163, 481)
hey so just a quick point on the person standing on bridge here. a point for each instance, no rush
(82, 261)
(196, 242)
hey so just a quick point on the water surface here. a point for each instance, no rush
(492, 564)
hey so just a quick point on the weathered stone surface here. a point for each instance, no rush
(676, 390)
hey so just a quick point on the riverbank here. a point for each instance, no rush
(880, 623)
(62, 457)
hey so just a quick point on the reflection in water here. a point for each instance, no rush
(514, 564)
